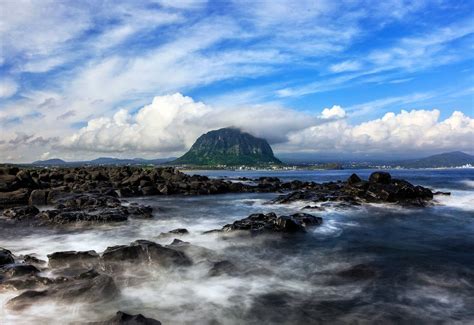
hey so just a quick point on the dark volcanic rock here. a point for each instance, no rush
(270, 222)
(92, 288)
(6, 257)
(144, 252)
(380, 189)
(175, 232)
(17, 270)
(38, 197)
(22, 212)
(14, 198)
(68, 259)
(223, 268)
(380, 177)
(122, 318)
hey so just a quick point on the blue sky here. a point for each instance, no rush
(81, 79)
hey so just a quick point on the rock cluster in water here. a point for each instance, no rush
(271, 223)
(379, 188)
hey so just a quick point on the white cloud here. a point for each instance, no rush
(171, 124)
(346, 66)
(415, 131)
(8, 88)
(334, 112)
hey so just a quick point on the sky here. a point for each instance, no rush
(84, 79)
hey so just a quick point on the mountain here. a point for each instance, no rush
(228, 146)
(103, 161)
(447, 159)
(50, 162)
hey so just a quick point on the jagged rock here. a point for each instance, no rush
(380, 189)
(22, 212)
(270, 222)
(17, 270)
(144, 251)
(122, 318)
(14, 198)
(223, 268)
(175, 232)
(69, 259)
(6, 257)
(38, 197)
(353, 179)
(91, 288)
(380, 177)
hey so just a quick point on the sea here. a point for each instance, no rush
(420, 260)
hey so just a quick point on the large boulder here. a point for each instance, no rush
(68, 259)
(39, 197)
(22, 212)
(14, 198)
(144, 252)
(380, 178)
(90, 287)
(6, 257)
(270, 222)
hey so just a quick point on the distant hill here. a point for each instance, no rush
(228, 146)
(103, 161)
(448, 159)
(50, 162)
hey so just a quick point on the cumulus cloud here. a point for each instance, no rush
(333, 113)
(405, 132)
(171, 124)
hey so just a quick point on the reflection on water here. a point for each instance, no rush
(417, 264)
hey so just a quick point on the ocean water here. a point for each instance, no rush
(421, 260)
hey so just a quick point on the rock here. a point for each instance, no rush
(380, 177)
(259, 222)
(25, 282)
(353, 179)
(14, 198)
(6, 257)
(122, 318)
(29, 259)
(67, 216)
(175, 232)
(222, 268)
(38, 197)
(144, 252)
(91, 289)
(380, 189)
(26, 299)
(288, 224)
(22, 212)
(442, 193)
(17, 270)
(70, 259)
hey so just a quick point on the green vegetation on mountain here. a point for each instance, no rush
(231, 147)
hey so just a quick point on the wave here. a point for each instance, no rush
(468, 183)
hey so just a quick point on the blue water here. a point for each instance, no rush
(422, 260)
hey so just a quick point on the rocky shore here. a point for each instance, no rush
(45, 197)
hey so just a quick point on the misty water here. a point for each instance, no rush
(422, 258)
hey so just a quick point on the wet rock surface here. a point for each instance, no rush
(271, 223)
(380, 188)
(122, 318)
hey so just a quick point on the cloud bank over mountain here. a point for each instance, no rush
(171, 123)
